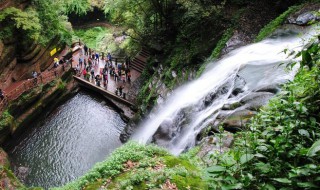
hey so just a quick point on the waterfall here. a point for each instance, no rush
(193, 106)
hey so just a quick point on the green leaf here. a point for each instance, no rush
(314, 149)
(232, 186)
(282, 180)
(306, 58)
(216, 169)
(307, 185)
(268, 187)
(304, 132)
(246, 158)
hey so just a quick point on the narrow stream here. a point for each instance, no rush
(75, 136)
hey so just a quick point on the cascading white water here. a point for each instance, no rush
(185, 109)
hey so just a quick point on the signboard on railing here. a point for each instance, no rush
(54, 51)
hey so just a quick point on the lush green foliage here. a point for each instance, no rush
(273, 25)
(5, 120)
(102, 39)
(281, 147)
(42, 21)
(79, 7)
(93, 37)
(53, 20)
(136, 166)
(25, 22)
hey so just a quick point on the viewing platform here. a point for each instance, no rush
(102, 91)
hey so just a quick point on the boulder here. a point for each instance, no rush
(270, 88)
(174, 74)
(237, 120)
(256, 100)
(304, 18)
(237, 40)
(22, 173)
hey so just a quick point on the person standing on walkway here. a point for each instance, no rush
(85, 49)
(123, 76)
(85, 63)
(84, 73)
(80, 62)
(120, 90)
(56, 62)
(129, 77)
(109, 57)
(92, 73)
(97, 57)
(35, 77)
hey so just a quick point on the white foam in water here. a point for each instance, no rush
(264, 53)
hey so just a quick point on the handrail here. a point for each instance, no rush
(43, 78)
(3, 104)
(28, 84)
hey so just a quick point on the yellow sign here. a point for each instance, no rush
(54, 51)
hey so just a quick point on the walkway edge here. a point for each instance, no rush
(93, 87)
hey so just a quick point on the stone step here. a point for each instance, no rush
(144, 54)
(137, 68)
(137, 60)
(138, 65)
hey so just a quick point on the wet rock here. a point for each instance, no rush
(126, 133)
(237, 40)
(162, 91)
(22, 173)
(237, 91)
(270, 88)
(306, 14)
(237, 120)
(210, 130)
(209, 99)
(212, 144)
(174, 74)
(304, 19)
(232, 106)
(164, 133)
(256, 100)
(224, 114)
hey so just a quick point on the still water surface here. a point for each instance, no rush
(68, 142)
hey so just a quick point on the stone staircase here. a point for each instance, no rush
(139, 61)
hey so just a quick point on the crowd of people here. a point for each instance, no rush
(89, 61)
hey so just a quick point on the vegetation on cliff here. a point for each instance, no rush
(135, 166)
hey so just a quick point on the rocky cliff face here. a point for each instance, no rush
(17, 59)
